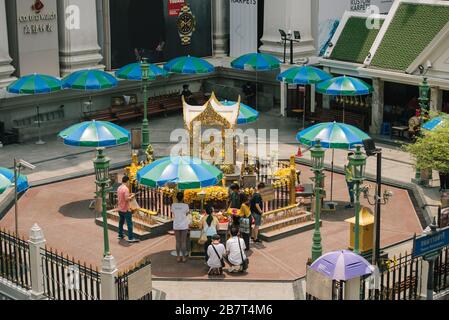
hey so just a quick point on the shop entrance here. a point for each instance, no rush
(400, 103)
(445, 107)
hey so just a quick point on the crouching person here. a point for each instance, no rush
(235, 250)
(216, 252)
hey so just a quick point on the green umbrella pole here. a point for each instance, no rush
(145, 127)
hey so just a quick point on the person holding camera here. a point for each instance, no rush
(124, 198)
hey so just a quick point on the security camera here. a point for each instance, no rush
(429, 64)
(27, 165)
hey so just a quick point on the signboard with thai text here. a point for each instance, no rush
(33, 34)
(431, 243)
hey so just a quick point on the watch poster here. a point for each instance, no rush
(159, 30)
(174, 7)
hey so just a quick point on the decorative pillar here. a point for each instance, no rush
(220, 9)
(436, 99)
(108, 274)
(377, 113)
(284, 98)
(326, 98)
(36, 243)
(78, 37)
(6, 69)
(289, 15)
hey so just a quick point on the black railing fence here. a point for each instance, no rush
(123, 284)
(15, 260)
(65, 279)
(400, 280)
(441, 271)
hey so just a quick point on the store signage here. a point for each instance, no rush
(243, 27)
(431, 243)
(174, 7)
(38, 20)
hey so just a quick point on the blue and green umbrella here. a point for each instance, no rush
(188, 65)
(186, 172)
(344, 86)
(133, 71)
(304, 75)
(246, 115)
(436, 123)
(89, 80)
(95, 134)
(7, 181)
(35, 84)
(332, 135)
(256, 61)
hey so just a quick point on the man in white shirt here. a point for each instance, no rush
(235, 248)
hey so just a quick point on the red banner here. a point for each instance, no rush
(174, 7)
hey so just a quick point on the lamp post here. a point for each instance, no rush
(202, 196)
(357, 162)
(145, 78)
(424, 90)
(101, 165)
(317, 153)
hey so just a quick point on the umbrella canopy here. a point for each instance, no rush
(436, 123)
(89, 80)
(35, 84)
(189, 65)
(186, 172)
(342, 265)
(332, 135)
(256, 61)
(304, 75)
(344, 86)
(7, 180)
(246, 114)
(95, 134)
(133, 71)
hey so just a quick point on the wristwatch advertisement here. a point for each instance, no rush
(186, 25)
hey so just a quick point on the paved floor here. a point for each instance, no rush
(61, 210)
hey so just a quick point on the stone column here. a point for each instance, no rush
(284, 98)
(78, 38)
(436, 99)
(36, 242)
(326, 98)
(293, 15)
(377, 113)
(108, 274)
(220, 9)
(6, 69)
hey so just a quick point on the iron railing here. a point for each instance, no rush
(123, 285)
(441, 271)
(65, 279)
(15, 260)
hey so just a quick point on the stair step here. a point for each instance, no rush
(288, 221)
(113, 225)
(288, 231)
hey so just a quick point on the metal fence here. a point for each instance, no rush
(400, 280)
(65, 279)
(123, 283)
(441, 271)
(15, 260)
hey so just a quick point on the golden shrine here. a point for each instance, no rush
(211, 115)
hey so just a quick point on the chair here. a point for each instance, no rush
(386, 129)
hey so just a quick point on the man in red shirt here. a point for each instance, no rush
(124, 197)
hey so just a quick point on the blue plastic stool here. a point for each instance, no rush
(386, 129)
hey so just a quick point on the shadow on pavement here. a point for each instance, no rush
(78, 210)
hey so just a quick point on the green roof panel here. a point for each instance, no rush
(412, 29)
(355, 41)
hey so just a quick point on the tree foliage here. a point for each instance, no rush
(431, 151)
